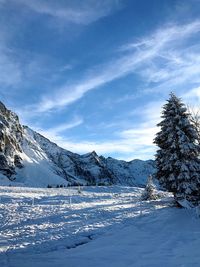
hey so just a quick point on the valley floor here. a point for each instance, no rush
(104, 226)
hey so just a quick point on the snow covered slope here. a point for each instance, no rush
(28, 158)
(102, 226)
(134, 172)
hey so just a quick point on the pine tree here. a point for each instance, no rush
(178, 166)
(148, 193)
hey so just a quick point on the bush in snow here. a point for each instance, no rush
(178, 166)
(79, 189)
(149, 192)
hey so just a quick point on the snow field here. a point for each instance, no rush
(102, 226)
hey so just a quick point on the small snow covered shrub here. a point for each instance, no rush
(177, 162)
(79, 190)
(149, 192)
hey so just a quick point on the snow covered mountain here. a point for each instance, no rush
(28, 158)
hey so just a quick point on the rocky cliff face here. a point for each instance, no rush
(28, 158)
(11, 135)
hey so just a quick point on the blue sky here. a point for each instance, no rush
(93, 75)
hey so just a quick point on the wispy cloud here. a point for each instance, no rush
(17, 65)
(10, 70)
(174, 67)
(123, 147)
(193, 94)
(192, 99)
(161, 59)
(79, 12)
(151, 58)
(55, 132)
(127, 146)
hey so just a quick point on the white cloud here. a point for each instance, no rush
(54, 132)
(141, 135)
(192, 100)
(178, 67)
(69, 94)
(193, 94)
(79, 12)
(126, 147)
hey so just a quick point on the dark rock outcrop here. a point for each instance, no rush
(10, 140)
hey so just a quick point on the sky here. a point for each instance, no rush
(94, 74)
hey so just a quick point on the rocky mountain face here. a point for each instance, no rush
(11, 136)
(28, 158)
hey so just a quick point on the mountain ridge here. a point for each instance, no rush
(30, 159)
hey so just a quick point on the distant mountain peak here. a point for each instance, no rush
(94, 153)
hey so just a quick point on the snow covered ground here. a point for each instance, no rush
(104, 226)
